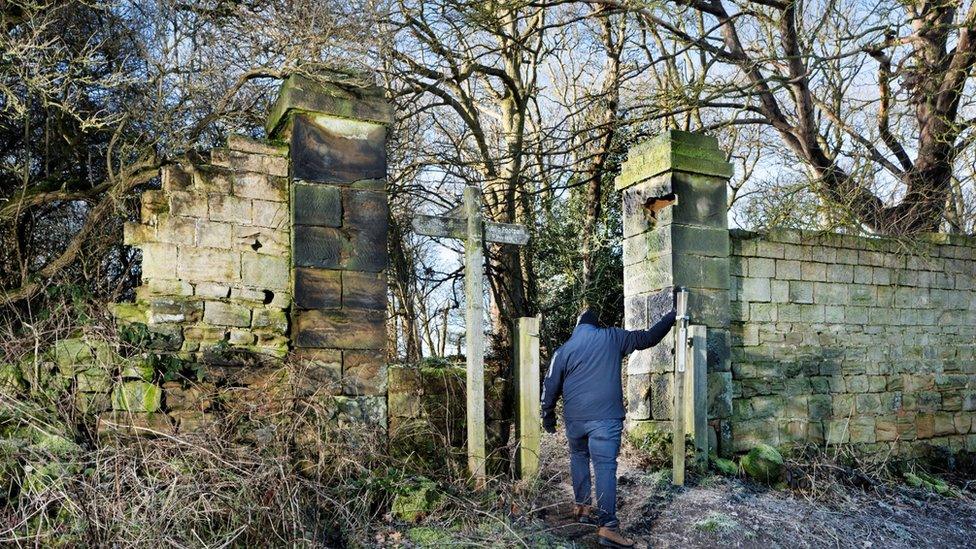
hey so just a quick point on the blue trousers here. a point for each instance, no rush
(598, 441)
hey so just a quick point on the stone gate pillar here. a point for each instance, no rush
(676, 234)
(337, 139)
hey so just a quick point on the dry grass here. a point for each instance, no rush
(275, 470)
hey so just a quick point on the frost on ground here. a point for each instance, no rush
(713, 510)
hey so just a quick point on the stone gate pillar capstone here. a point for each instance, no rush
(339, 215)
(675, 228)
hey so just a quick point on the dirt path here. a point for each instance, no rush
(716, 511)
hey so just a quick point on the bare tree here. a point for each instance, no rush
(884, 151)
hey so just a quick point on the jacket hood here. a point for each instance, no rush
(589, 317)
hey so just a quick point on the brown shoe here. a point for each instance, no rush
(611, 537)
(583, 514)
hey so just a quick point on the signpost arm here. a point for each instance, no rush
(474, 320)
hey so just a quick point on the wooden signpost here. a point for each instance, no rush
(474, 231)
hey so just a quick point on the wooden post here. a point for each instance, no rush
(696, 392)
(529, 421)
(475, 338)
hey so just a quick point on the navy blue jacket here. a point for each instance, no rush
(586, 369)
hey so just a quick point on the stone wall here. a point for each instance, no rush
(270, 247)
(812, 337)
(215, 244)
(843, 339)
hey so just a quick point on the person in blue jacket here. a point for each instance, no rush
(586, 372)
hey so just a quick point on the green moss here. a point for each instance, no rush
(725, 466)
(11, 377)
(129, 313)
(136, 396)
(416, 502)
(931, 483)
(763, 463)
(71, 353)
(426, 536)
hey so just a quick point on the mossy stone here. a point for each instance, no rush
(137, 369)
(72, 352)
(129, 313)
(725, 466)
(136, 396)
(93, 380)
(11, 377)
(417, 502)
(763, 463)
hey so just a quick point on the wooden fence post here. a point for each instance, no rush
(529, 423)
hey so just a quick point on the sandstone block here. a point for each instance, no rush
(317, 204)
(261, 240)
(321, 371)
(265, 271)
(250, 162)
(198, 397)
(143, 424)
(364, 290)
(152, 204)
(136, 396)
(364, 373)
(175, 177)
(760, 267)
(260, 186)
(274, 215)
(342, 329)
(93, 380)
(213, 235)
(207, 264)
(274, 319)
(756, 290)
(229, 208)
(363, 409)
(367, 248)
(322, 247)
(242, 143)
(188, 204)
(211, 179)
(837, 431)
(787, 269)
(176, 230)
(814, 272)
(318, 288)
(226, 314)
(241, 337)
(334, 150)
(211, 289)
(137, 234)
(157, 261)
(638, 396)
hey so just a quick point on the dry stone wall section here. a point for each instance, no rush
(842, 339)
(215, 244)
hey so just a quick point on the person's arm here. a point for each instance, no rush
(638, 340)
(552, 387)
